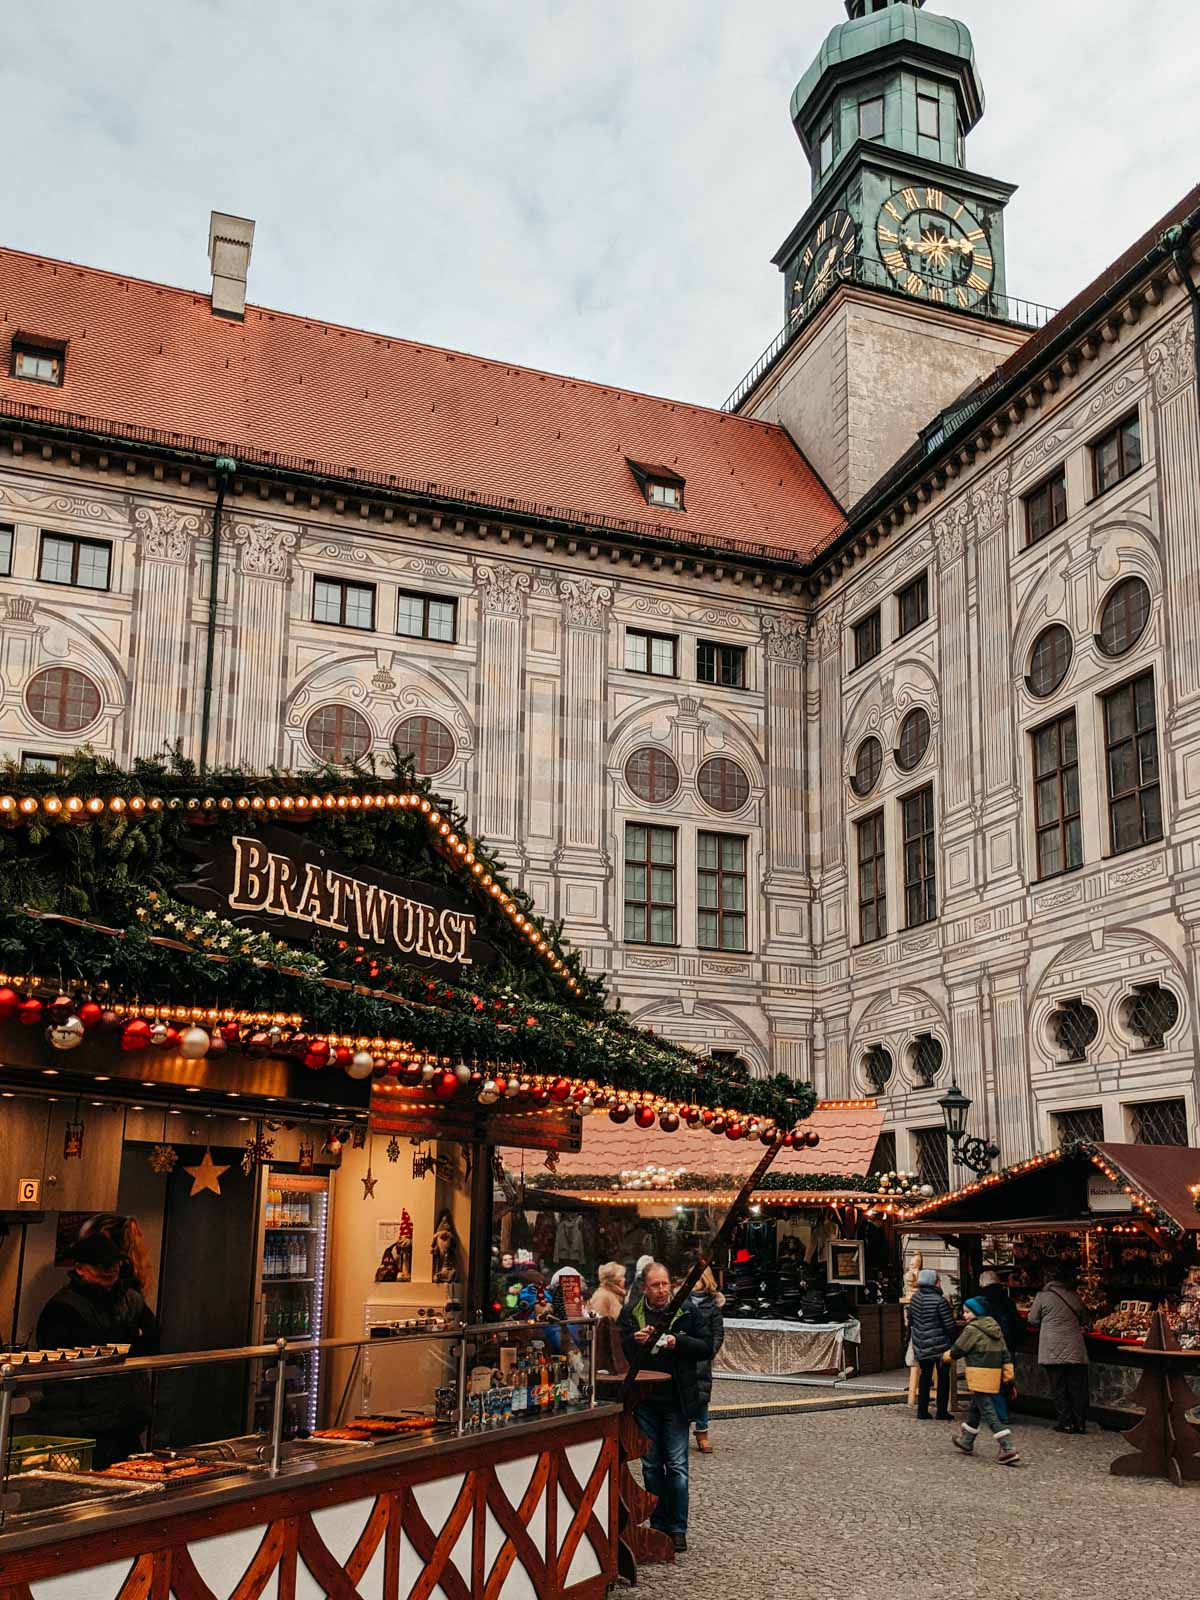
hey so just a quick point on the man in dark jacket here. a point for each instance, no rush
(93, 1308)
(669, 1407)
(931, 1329)
(1000, 1305)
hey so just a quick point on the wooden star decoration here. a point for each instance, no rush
(205, 1175)
(368, 1184)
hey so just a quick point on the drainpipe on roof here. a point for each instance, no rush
(1173, 239)
(225, 467)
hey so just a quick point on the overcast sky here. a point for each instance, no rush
(590, 186)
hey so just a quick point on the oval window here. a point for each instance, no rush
(1050, 661)
(62, 699)
(338, 734)
(722, 784)
(1125, 616)
(914, 739)
(868, 764)
(428, 741)
(652, 775)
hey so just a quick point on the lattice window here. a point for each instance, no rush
(926, 1056)
(1083, 1125)
(1075, 1028)
(884, 1159)
(1152, 1012)
(933, 1158)
(1159, 1122)
(877, 1065)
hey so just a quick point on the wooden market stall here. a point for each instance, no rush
(282, 1025)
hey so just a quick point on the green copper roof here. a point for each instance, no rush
(898, 24)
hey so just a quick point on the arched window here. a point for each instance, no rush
(652, 775)
(62, 699)
(428, 741)
(877, 1066)
(926, 1056)
(723, 785)
(1050, 661)
(338, 734)
(914, 740)
(1075, 1027)
(868, 764)
(1151, 1012)
(1124, 618)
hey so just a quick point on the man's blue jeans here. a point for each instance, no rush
(665, 1465)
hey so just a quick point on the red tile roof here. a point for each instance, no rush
(146, 356)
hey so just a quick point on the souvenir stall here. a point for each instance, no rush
(810, 1278)
(259, 1040)
(1122, 1220)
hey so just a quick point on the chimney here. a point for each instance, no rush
(230, 240)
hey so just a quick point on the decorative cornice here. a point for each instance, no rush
(585, 604)
(502, 590)
(265, 552)
(785, 638)
(167, 532)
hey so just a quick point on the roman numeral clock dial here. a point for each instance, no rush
(826, 259)
(934, 246)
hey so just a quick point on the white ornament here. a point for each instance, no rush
(194, 1043)
(462, 1072)
(362, 1064)
(488, 1093)
(427, 1073)
(66, 1035)
(585, 1106)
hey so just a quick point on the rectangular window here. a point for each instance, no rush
(868, 640)
(423, 616)
(826, 150)
(1084, 1124)
(929, 121)
(912, 604)
(720, 892)
(1056, 797)
(920, 864)
(870, 118)
(933, 1158)
(36, 365)
(650, 652)
(349, 605)
(872, 880)
(1159, 1122)
(665, 494)
(649, 884)
(1131, 749)
(1046, 508)
(1118, 454)
(721, 663)
(6, 549)
(39, 761)
(82, 562)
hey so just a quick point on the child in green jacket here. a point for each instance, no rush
(989, 1366)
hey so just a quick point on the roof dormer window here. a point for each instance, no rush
(38, 360)
(661, 485)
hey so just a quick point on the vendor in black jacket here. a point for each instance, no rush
(668, 1409)
(931, 1329)
(94, 1308)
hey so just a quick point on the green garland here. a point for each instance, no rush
(105, 868)
(721, 1182)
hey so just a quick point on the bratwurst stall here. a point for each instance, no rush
(259, 1042)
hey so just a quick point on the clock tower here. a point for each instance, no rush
(894, 285)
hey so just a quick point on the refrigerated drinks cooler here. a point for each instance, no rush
(289, 1296)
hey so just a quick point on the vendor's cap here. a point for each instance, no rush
(93, 1250)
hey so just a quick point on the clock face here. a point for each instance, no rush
(934, 246)
(825, 258)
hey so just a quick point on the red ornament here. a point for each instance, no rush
(734, 1131)
(167, 1040)
(446, 1086)
(620, 1113)
(668, 1122)
(343, 1056)
(560, 1089)
(412, 1072)
(111, 1021)
(299, 1044)
(29, 1012)
(706, 1117)
(259, 1043)
(717, 1125)
(694, 1118)
(501, 1086)
(812, 1138)
(788, 1140)
(231, 1032)
(216, 1047)
(90, 1014)
(767, 1137)
(9, 1001)
(135, 1035)
(316, 1056)
(540, 1095)
(644, 1116)
(393, 1068)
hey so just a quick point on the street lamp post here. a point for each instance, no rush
(978, 1154)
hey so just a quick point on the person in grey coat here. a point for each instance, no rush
(931, 1329)
(1058, 1315)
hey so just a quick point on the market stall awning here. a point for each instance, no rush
(1078, 1186)
(848, 1132)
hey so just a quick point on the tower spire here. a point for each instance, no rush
(864, 8)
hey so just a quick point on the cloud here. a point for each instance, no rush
(596, 189)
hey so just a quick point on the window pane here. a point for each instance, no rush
(1131, 441)
(360, 606)
(1151, 815)
(708, 930)
(733, 933)
(636, 657)
(635, 923)
(56, 560)
(410, 615)
(662, 845)
(1047, 801)
(6, 549)
(92, 572)
(928, 121)
(1143, 695)
(1049, 853)
(1126, 821)
(441, 620)
(870, 119)
(733, 892)
(733, 854)
(635, 881)
(1118, 709)
(635, 841)
(662, 657)
(706, 891)
(662, 884)
(1107, 462)
(706, 850)
(1074, 843)
(706, 663)
(662, 926)
(327, 601)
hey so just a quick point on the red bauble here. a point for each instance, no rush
(216, 1047)
(446, 1086)
(135, 1035)
(111, 1020)
(501, 1086)
(9, 1001)
(29, 1012)
(90, 1014)
(343, 1056)
(231, 1032)
(767, 1137)
(317, 1055)
(694, 1119)
(644, 1116)
(524, 1091)
(539, 1095)
(812, 1138)
(668, 1122)
(706, 1117)
(788, 1140)
(620, 1113)
(560, 1089)
(299, 1045)
(734, 1131)
(717, 1125)
(394, 1068)
(412, 1072)
(169, 1039)
(259, 1043)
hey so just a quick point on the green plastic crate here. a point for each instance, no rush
(47, 1452)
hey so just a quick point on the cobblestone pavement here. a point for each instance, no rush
(873, 1505)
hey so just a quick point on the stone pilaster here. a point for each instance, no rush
(582, 859)
(787, 888)
(827, 634)
(1012, 1127)
(160, 712)
(258, 672)
(1000, 801)
(500, 697)
(952, 535)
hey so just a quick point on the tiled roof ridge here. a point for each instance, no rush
(417, 345)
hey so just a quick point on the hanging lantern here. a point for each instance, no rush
(361, 1064)
(135, 1035)
(194, 1044)
(29, 1012)
(89, 1013)
(73, 1141)
(65, 1034)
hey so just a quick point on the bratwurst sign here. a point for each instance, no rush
(272, 881)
